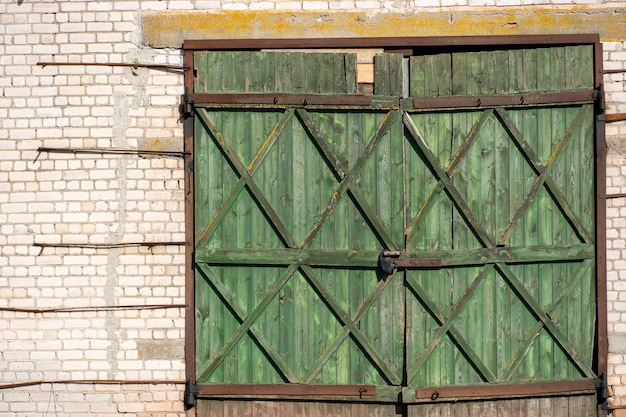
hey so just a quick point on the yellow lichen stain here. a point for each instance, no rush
(171, 28)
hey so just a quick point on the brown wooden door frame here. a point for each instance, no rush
(409, 46)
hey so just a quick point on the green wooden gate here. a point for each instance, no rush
(473, 171)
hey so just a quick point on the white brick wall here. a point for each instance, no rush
(99, 199)
(65, 198)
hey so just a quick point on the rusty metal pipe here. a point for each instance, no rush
(116, 64)
(102, 381)
(96, 308)
(109, 151)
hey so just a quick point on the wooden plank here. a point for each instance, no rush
(476, 183)
(242, 293)
(560, 407)
(441, 67)
(545, 406)
(200, 61)
(213, 408)
(285, 409)
(418, 76)
(529, 76)
(388, 74)
(501, 76)
(351, 73)
(314, 72)
(547, 274)
(262, 71)
(383, 83)
(579, 61)
(460, 73)
(231, 408)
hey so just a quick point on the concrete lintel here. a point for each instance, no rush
(168, 29)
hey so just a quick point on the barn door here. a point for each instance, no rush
(501, 187)
(476, 185)
(293, 206)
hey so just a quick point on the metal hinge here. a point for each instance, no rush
(191, 393)
(186, 104)
(598, 96)
(602, 388)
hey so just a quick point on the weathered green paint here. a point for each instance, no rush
(288, 181)
(294, 204)
(274, 72)
(514, 181)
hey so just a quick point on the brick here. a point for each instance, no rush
(315, 5)
(72, 27)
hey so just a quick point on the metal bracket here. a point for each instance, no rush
(599, 98)
(390, 261)
(191, 393)
(186, 105)
(602, 387)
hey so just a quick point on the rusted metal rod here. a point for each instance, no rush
(614, 71)
(617, 117)
(617, 195)
(82, 309)
(105, 245)
(109, 151)
(101, 381)
(117, 64)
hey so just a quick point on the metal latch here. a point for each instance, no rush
(390, 261)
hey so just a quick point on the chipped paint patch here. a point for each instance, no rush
(168, 29)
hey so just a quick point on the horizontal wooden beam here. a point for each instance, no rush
(505, 390)
(505, 100)
(287, 390)
(369, 259)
